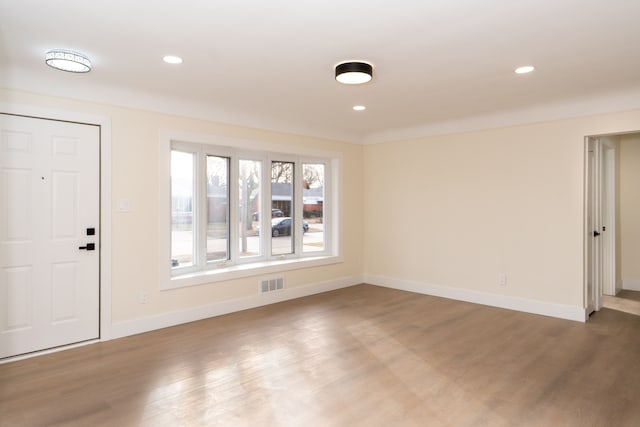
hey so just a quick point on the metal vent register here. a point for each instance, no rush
(270, 285)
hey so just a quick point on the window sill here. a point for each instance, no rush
(247, 270)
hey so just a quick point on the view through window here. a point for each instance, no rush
(219, 215)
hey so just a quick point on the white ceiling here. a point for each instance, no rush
(440, 66)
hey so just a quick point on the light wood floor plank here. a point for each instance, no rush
(361, 356)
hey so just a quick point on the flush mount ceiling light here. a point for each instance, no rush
(354, 73)
(359, 108)
(525, 69)
(68, 60)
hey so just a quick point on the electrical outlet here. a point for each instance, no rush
(144, 297)
(502, 279)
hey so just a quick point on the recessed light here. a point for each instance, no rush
(525, 69)
(170, 59)
(68, 60)
(359, 108)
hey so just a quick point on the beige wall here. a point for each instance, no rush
(135, 141)
(458, 210)
(629, 175)
(453, 210)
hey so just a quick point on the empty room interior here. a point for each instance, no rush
(331, 214)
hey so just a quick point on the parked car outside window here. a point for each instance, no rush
(282, 227)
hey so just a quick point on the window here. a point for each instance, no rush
(182, 204)
(217, 208)
(313, 207)
(282, 198)
(250, 172)
(235, 210)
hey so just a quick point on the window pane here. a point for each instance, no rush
(313, 207)
(249, 214)
(217, 208)
(182, 208)
(282, 229)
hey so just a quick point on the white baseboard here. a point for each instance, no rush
(631, 285)
(495, 300)
(164, 320)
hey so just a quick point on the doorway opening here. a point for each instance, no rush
(611, 218)
(626, 301)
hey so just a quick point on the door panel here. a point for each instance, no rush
(18, 293)
(49, 196)
(590, 194)
(64, 284)
(593, 227)
(18, 212)
(65, 204)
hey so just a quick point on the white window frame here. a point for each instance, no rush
(202, 272)
(267, 207)
(252, 156)
(327, 211)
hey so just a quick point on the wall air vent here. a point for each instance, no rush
(270, 285)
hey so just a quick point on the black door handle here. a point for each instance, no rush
(596, 234)
(89, 247)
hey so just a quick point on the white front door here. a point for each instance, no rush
(49, 220)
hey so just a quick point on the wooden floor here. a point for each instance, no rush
(362, 356)
(627, 301)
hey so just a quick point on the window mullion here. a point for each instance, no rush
(327, 218)
(202, 209)
(297, 208)
(265, 209)
(234, 202)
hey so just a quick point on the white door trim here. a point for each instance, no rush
(105, 193)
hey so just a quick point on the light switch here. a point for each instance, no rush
(124, 205)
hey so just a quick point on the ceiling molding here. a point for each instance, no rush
(603, 104)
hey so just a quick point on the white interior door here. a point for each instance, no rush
(592, 240)
(49, 218)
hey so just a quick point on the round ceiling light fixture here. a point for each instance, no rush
(172, 59)
(68, 60)
(354, 73)
(525, 69)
